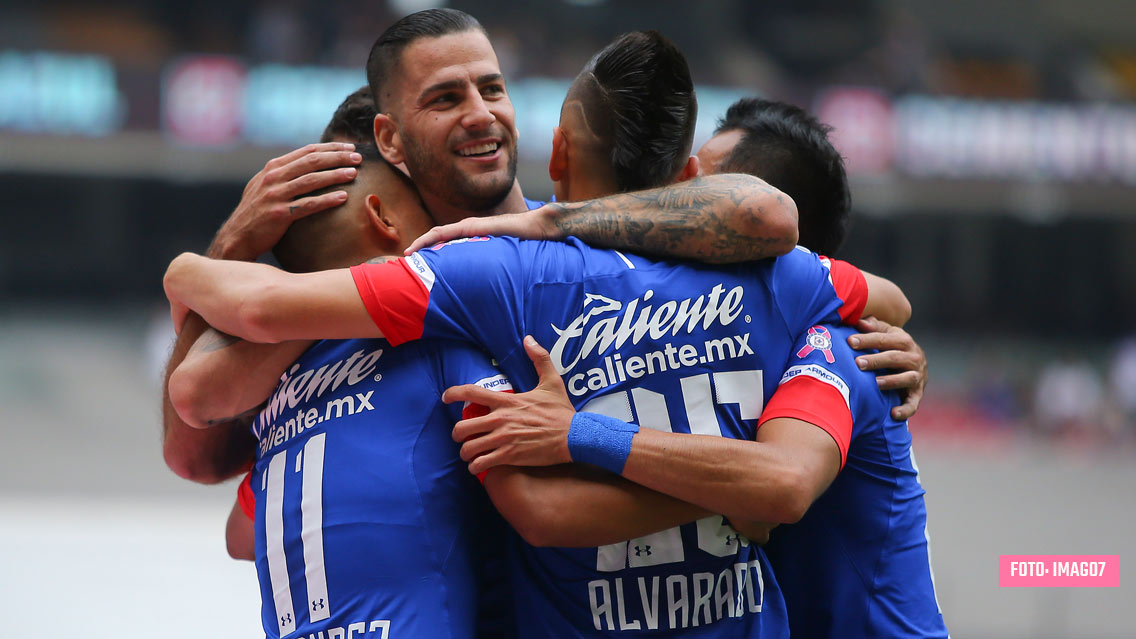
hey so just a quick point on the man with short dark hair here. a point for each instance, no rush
(858, 561)
(871, 520)
(366, 520)
(444, 114)
(353, 120)
(627, 119)
(439, 137)
(788, 148)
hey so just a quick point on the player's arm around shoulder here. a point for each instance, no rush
(264, 304)
(205, 456)
(813, 462)
(774, 479)
(715, 219)
(223, 378)
(555, 503)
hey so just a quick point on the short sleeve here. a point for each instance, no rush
(395, 299)
(815, 386)
(471, 290)
(807, 291)
(851, 288)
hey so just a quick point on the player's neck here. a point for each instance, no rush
(347, 259)
(590, 189)
(446, 213)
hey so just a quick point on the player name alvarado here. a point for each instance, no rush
(311, 385)
(639, 319)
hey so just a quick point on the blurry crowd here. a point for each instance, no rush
(1075, 398)
(783, 48)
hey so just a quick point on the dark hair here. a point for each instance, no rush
(789, 148)
(386, 53)
(638, 93)
(304, 247)
(354, 119)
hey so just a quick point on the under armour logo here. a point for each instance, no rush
(732, 539)
(641, 550)
(318, 605)
(286, 619)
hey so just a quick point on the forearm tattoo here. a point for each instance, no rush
(713, 219)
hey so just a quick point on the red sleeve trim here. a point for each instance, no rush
(246, 498)
(851, 288)
(811, 400)
(474, 410)
(395, 298)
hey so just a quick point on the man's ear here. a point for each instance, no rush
(388, 139)
(558, 161)
(691, 170)
(381, 222)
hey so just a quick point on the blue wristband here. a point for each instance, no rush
(601, 441)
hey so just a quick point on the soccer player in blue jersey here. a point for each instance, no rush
(858, 563)
(444, 114)
(788, 148)
(448, 94)
(687, 592)
(222, 400)
(354, 461)
(612, 319)
(379, 477)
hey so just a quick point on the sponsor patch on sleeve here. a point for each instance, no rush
(419, 267)
(495, 383)
(818, 373)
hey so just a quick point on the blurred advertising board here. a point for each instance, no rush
(203, 100)
(59, 94)
(219, 101)
(931, 136)
(222, 102)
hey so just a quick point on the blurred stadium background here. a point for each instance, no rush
(992, 148)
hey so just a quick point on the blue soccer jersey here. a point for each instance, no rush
(677, 347)
(857, 564)
(367, 522)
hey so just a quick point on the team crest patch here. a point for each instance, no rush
(818, 339)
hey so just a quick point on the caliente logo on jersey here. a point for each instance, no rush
(312, 384)
(606, 323)
(600, 325)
